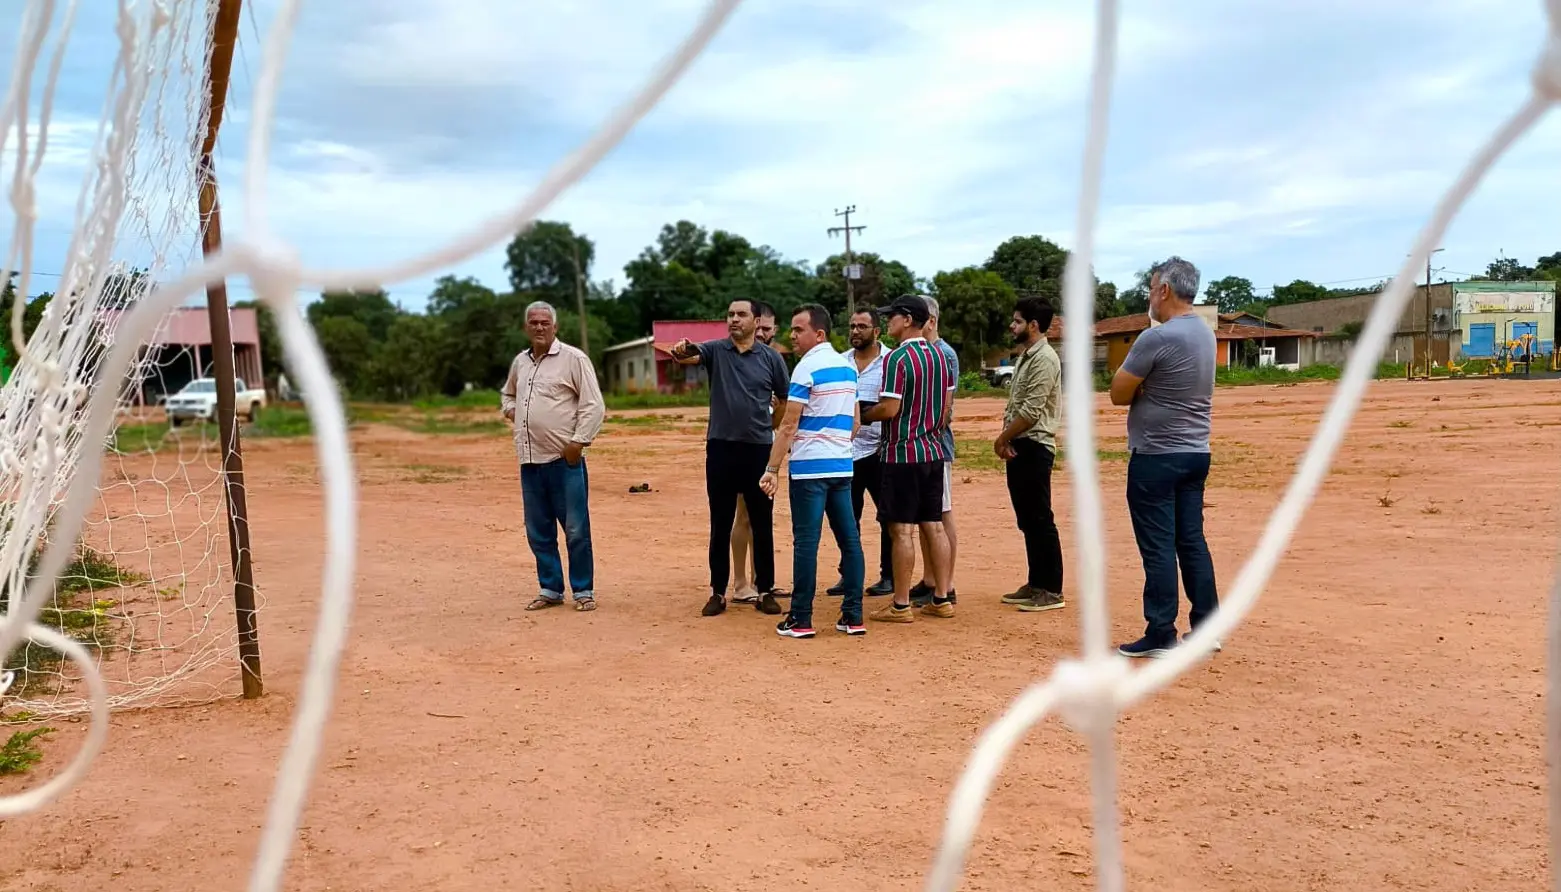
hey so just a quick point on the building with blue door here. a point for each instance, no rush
(1490, 314)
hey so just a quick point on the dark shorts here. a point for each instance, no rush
(913, 493)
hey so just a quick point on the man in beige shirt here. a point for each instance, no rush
(553, 400)
(1028, 444)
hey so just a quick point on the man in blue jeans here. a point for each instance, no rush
(1167, 380)
(820, 420)
(553, 400)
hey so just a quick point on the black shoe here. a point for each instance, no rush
(715, 606)
(767, 604)
(838, 590)
(850, 626)
(884, 586)
(953, 598)
(1152, 648)
(921, 594)
(790, 628)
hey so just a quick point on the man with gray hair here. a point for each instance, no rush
(1167, 381)
(555, 404)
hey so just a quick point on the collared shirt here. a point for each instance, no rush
(824, 383)
(1035, 393)
(556, 401)
(918, 375)
(869, 382)
(947, 350)
(742, 384)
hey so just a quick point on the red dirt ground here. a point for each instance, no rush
(1376, 723)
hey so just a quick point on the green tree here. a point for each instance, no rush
(1135, 300)
(975, 306)
(407, 364)
(32, 315)
(373, 309)
(1232, 294)
(348, 346)
(543, 260)
(1031, 264)
(478, 329)
(596, 329)
(1299, 291)
(1506, 269)
(1107, 303)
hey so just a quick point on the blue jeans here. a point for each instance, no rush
(557, 495)
(1165, 500)
(811, 502)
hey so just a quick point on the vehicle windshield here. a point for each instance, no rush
(206, 386)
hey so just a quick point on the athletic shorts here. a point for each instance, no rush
(948, 487)
(913, 492)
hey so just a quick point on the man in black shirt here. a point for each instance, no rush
(745, 376)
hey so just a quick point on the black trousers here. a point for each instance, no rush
(733, 469)
(867, 479)
(1030, 490)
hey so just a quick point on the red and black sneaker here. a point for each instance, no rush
(790, 628)
(850, 626)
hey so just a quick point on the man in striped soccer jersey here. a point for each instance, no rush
(819, 422)
(915, 404)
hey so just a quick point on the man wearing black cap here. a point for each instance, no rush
(915, 403)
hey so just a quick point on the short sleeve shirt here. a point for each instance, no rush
(824, 384)
(869, 382)
(953, 361)
(920, 377)
(742, 385)
(1173, 410)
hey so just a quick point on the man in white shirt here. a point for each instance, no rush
(866, 355)
(819, 424)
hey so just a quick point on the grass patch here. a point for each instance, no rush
(435, 473)
(656, 400)
(21, 751)
(74, 612)
(977, 454)
(471, 399)
(280, 421)
(435, 423)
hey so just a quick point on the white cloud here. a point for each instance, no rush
(1305, 139)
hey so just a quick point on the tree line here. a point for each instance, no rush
(468, 332)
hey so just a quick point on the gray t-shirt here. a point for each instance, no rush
(741, 385)
(1172, 410)
(947, 434)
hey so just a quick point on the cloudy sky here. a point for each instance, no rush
(1273, 139)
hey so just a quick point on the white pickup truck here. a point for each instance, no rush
(198, 400)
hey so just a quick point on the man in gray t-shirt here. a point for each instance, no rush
(745, 376)
(1167, 381)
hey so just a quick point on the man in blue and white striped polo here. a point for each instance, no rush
(821, 419)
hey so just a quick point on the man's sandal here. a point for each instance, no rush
(542, 604)
(584, 604)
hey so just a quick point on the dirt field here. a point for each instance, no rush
(1375, 725)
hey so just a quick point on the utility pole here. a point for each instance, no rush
(219, 65)
(1428, 313)
(574, 242)
(851, 271)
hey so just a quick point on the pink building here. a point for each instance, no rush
(181, 349)
(644, 364)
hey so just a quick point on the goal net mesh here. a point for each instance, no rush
(148, 587)
(66, 400)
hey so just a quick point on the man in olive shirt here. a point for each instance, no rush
(745, 376)
(1028, 444)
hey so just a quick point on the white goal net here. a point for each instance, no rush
(57, 433)
(148, 586)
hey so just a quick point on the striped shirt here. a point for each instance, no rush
(868, 382)
(918, 375)
(824, 383)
